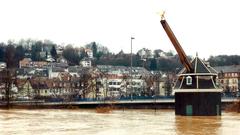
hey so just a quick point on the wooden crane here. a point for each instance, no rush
(176, 44)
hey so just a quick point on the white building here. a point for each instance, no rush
(50, 59)
(2, 65)
(115, 87)
(86, 62)
(138, 86)
(145, 53)
(54, 72)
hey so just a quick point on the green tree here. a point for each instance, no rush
(153, 64)
(94, 49)
(35, 51)
(53, 52)
(19, 54)
(224, 60)
(157, 52)
(9, 56)
(71, 55)
(82, 54)
(99, 55)
(170, 53)
(2, 51)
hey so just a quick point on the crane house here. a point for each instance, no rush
(196, 92)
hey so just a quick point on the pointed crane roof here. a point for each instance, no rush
(200, 67)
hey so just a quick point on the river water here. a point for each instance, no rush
(118, 122)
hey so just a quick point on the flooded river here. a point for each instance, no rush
(119, 122)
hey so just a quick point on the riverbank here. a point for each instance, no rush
(90, 106)
(120, 104)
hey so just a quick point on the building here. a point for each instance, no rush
(73, 70)
(86, 62)
(50, 59)
(161, 87)
(89, 53)
(115, 87)
(59, 50)
(25, 90)
(27, 62)
(2, 65)
(61, 59)
(43, 54)
(53, 72)
(25, 73)
(145, 53)
(62, 87)
(229, 78)
(196, 92)
(120, 84)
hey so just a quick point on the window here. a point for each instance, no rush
(189, 80)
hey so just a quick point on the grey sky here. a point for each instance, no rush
(204, 26)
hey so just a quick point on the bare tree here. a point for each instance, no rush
(9, 72)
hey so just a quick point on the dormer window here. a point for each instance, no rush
(189, 80)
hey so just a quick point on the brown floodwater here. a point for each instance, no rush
(118, 122)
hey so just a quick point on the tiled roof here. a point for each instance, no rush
(57, 69)
(137, 72)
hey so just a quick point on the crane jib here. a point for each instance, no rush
(177, 46)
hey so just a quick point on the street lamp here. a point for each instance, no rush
(131, 69)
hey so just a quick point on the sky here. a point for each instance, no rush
(209, 27)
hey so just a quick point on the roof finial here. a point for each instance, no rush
(196, 54)
(162, 15)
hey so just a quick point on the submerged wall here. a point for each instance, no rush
(198, 103)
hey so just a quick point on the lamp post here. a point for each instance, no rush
(131, 70)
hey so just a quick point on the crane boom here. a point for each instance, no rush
(177, 46)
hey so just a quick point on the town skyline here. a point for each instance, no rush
(112, 24)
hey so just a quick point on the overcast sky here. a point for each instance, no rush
(209, 27)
